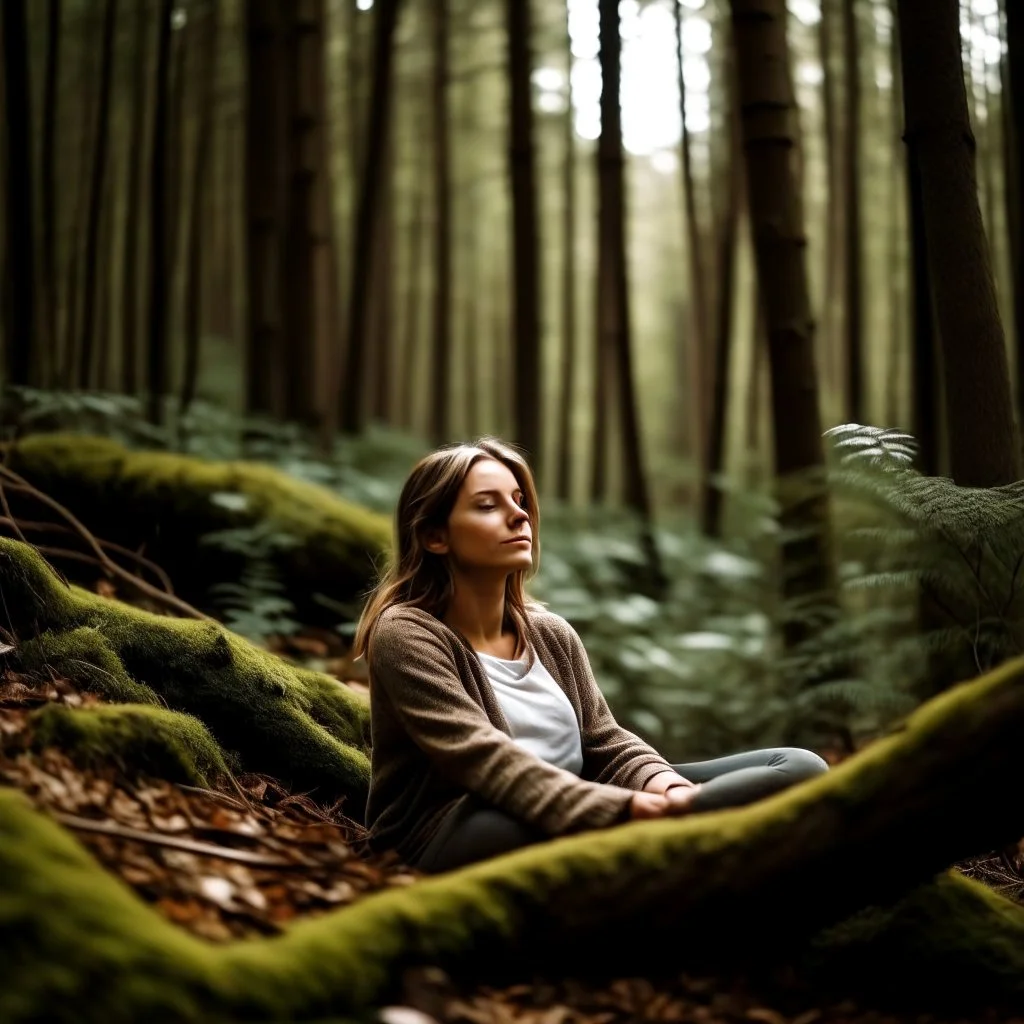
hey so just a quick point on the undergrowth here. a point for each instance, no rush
(699, 668)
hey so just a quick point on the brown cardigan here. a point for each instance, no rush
(438, 732)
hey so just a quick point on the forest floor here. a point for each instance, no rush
(247, 861)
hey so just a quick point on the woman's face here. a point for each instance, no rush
(488, 527)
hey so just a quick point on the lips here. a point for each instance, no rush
(517, 540)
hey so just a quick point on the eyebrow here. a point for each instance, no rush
(496, 494)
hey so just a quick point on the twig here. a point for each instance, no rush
(107, 828)
(143, 562)
(20, 484)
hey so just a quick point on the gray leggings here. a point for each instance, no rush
(474, 830)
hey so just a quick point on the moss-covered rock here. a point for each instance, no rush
(749, 883)
(304, 728)
(136, 738)
(163, 503)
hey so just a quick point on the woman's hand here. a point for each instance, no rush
(675, 801)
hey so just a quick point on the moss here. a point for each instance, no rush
(299, 726)
(748, 883)
(136, 738)
(162, 503)
(84, 655)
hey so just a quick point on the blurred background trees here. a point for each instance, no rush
(663, 245)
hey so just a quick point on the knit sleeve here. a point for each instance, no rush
(611, 754)
(416, 670)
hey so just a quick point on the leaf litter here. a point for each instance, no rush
(231, 865)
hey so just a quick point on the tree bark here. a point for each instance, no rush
(133, 207)
(565, 448)
(725, 271)
(768, 118)
(159, 266)
(266, 170)
(97, 177)
(193, 298)
(307, 286)
(698, 337)
(367, 215)
(49, 290)
(979, 410)
(526, 304)
(853, 238)
(20, 304)
(1012, 102)
(834, 207)
(440, 411)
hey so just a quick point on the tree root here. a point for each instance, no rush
(728, 888)
(302, 727)
(164, 504)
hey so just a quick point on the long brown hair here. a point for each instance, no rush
(416, 576)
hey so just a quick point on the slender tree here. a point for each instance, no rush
(613, 315)
(853, 234)
(940, 146)
(769, 132)
(156, 351)
(1012, 101)
(698, 336)
(133, 205)
(441, 342)
(725, 270)
(97, 177)
(48, 289)
(266, 174)
(565, 448)
(834, 207)
(367, 215)
(20, 319)
(526, 304)
(193, 298)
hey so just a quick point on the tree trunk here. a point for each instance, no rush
(725, 271)
(48, 288)
(159, 265)
(266, 155)
(940, 143)
(382, 322)
(97, 177)
(613, 317)
(440, 412)
(699, 336)
(307, 286)
(565, 448)
(367, 216)
(133, 207)
(20, 298)
(834, 206)
(768, 117)
(526, 304)
(1011, 99)
(853, 238)
(193, 299)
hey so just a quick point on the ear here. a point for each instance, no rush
(435, 540)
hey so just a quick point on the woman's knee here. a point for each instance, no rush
(802, 764)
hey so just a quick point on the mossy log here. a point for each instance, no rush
(303, 727)
(163, 503)
(134, 738)
(711, 890)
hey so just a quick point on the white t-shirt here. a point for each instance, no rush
(540, 716)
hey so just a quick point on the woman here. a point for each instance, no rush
(489, 732)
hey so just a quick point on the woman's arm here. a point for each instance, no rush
(611, 754)
(416, 671)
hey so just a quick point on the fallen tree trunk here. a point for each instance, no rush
(305, 728)
(163, 503)
(752, 883)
